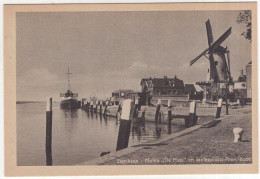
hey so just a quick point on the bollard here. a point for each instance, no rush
(160, 117)
(143, 109)
(82, 103)
(87, 106)
(238, 132)
(169, 119)
(169, 103)
(118, 111)
(95, 106)
(48, 132)
(226, 106)
(100, 107)
(193, 117)
(136, 108)
(105, 109)
(125, 124)
(91, 106)
(219, 108)
(157, 110)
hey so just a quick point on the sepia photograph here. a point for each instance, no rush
(150, 85)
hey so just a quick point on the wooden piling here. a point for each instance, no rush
(87, 106)
(95, 106)
(160, 117)
(105, 109)
(82, 103)
(226, 106)
(143, 109)
(169, 103)
(157, 110)
(91, 106)
(169, 119)
(118, 111)
(219, 108)
(192, 119)
(48, 132)
(136, 108)
(125, 124)
(100, 107)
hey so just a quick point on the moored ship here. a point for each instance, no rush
(69, 100)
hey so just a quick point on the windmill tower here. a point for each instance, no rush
(219, 71)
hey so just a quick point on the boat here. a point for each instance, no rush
(69, 100)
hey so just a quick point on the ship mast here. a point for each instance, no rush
(68, 77)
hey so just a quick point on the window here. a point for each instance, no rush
(169, 91)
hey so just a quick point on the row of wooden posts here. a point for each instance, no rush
(93, 107)
(129, 111)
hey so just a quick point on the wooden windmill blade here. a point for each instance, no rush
(214, 45)
(200, 55)
(228, 60)
(209, 32)
(221, 39)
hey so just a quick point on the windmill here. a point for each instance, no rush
(219, 66)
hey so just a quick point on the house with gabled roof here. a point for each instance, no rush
(162, 88)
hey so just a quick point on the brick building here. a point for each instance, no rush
(162, 88)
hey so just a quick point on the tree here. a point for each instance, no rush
(245, 18)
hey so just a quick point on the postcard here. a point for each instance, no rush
(130, 89)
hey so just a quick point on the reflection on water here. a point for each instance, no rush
(77, 135)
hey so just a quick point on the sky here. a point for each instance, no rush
(107, 51)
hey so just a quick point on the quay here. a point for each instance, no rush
(207, 142)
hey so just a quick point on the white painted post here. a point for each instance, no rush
(219, 108)
(48, 131)
(125, 124)
(192, 119)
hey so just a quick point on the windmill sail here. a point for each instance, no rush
(209, 32)
(221, 39)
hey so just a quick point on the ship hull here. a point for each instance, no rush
(70, 104)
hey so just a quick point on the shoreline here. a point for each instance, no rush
(141, 154)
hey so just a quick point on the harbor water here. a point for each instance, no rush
(77, 136)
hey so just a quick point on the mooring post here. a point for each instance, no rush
(87, 106)
(91, 106)
(192, 120)
(143, 109)
(157, 110)
(48, 131)
(100, 106)
(219, 108)
(160, 117)
(169, 119)
(125, 124)
(82, 103)
(226, 106)
(105, 109)
(118, 111)
(95, 106)
(136, 108)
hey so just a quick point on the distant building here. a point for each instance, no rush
(249, 80)
(195, 92)
(122, 94)
(162, 88)
(240, 88)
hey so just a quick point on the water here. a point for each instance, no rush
(77, 136)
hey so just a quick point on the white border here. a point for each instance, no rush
(102, 1)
